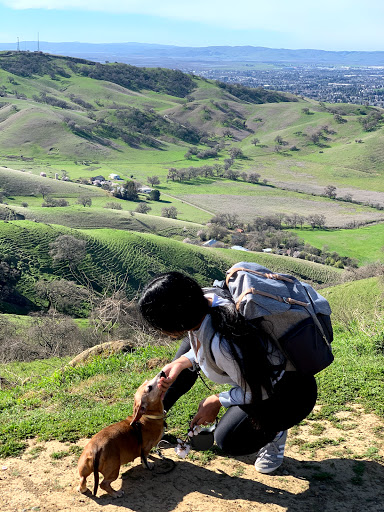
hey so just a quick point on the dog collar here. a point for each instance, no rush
(153, 417)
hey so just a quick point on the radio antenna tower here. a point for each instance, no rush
(18, 45)
(38, 42)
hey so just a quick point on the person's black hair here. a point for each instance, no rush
(173, 303)
(247, 344)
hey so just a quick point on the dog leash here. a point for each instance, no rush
(158, 452)
(201, 377)
(137, 429)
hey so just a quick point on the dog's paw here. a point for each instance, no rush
(147, 464)
(118, 494)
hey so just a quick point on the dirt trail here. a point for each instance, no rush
(346, 474)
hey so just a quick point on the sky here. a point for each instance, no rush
(295, 24)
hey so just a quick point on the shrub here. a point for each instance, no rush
(143, 208)
(154, 195)
(170, 212)
(113, 206)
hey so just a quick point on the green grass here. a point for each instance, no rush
(356, 302)
(364, 244)
(100, 393)
(118, 255)
(71, 403)
(54, 401)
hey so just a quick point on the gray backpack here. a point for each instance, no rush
(295, 316)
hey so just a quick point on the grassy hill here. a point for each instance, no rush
(75, 117)
(126, 257)
(61, 402)
(358, 302)
(84, 118)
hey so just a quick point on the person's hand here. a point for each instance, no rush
(172, 370)
(208, 410)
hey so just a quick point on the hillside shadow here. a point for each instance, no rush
(343, 484)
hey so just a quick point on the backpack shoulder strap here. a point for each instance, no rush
(271, 275)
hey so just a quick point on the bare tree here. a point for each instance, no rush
(64, 296)
(68, 248)
(330, 191)
(170, 212)
(153, 180)
(44, 190)
(316, 220)
(84, 200)
(253, 177)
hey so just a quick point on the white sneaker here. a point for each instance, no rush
(270, 457)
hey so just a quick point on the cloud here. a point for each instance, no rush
(327, 19)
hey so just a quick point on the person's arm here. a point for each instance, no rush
(172, 370)
(208, 410)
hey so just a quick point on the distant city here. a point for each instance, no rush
(330, 76)
(363, 85)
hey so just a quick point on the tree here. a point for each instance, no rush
(231, 174)
(330, 191)
(255, 141)
(170, 212)
(306, 111)
(217, 232)
(68, 248)
(143, 208)
(154, 195)
(129, 192)
(172, 173)
(279, 140)
(153, 180)
(339, 119)
(253, 177)
(44, 190)
(227, 133)
(113, 206)
(228, 220)
(84, 200)
(64, 296)
(316, 220)
(9, 276)
(236, 153)
(218, 169)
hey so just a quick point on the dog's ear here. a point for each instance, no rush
(139, 405)
(137, 412)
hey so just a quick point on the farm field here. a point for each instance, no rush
(196, 201)
(365, 244)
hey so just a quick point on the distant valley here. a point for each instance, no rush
(336, 77)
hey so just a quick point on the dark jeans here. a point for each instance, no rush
(245, 429)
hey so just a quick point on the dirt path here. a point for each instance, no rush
(345, 474)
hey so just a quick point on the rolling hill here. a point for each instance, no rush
(88, 118)
(203, 139)
(126, 258)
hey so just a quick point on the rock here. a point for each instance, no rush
(104, 349)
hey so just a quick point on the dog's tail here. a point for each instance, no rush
(96, 460)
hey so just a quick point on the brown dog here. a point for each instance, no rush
(124, 441)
